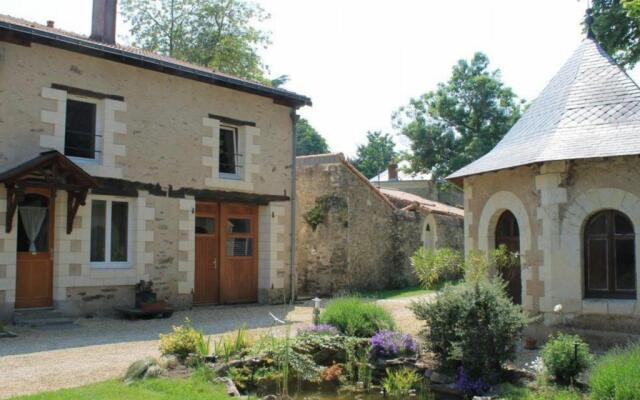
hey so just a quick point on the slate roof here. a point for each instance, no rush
(591, 108)
(141, 58)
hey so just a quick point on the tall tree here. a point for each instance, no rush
(220, 34)
(616, 25)
(374, 156)
(460, 121)
(308, 140)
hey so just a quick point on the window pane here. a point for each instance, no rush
(227, 151)
(205, 225)
(33, 213)
(235, 225)
(597, 264)
(98, 227)
(119, 231)
(625, 265)
(239, 247)
(80, 129)
(597, 225)
(623, 225)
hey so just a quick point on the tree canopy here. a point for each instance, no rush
(374, 156)
(220, 34)
(308, 140)
(616, 25)
(460, 121)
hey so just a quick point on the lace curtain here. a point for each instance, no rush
(32, 219)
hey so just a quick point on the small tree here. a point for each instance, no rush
(374, 156)
(435, 267)
(474, 326)
(308, 140)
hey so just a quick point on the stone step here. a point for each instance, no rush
(40, 317)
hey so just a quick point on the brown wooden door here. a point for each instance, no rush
(239, 253)
(207, 271)
(508, 234)
(34, 275)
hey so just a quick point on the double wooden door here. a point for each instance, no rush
(226, 262)
(34, 272)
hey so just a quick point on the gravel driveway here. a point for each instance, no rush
(94, 350)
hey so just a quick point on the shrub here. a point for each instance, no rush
(184, 340)
(400, 383)
(391, 344)
(327, 349)
(320, 329)
(616, 376)
(356, 317)
(470, 386)
(434, 267)
(472, 325)
(476, 267)
(565, 357)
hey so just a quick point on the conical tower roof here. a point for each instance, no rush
(591, 108)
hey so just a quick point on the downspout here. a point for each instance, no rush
(292, 261)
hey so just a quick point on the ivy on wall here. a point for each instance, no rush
(318, 213)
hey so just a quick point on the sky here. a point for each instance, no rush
(361, 60)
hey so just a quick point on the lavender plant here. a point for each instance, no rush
(392, 344)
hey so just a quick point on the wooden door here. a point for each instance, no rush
(239, 253)
(508, 234)
(207, 271)
(34, 275)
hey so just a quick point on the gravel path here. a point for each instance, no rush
(94, 350)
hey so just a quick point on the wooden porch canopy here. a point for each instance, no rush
(51, 170)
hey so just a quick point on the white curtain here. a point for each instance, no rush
(32, 219)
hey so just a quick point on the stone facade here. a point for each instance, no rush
(357, 240)
(552, 203)
(160, 132)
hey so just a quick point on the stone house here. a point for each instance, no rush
(562, 189)
(351, 236)
(419, 184)
(119, 165)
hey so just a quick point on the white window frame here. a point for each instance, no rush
(107, 240)
(236, 150)
(99, 131)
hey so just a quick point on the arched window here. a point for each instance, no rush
(609, 257)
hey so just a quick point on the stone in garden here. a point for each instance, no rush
(138, 369)
(169, 362)
(153, 371)
(437, 377)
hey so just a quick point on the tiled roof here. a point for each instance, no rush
(403, 199)
(402, 175)
(117, 52)
(591, 108)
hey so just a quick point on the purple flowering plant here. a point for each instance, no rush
(391, 344)
(320, 329)
(472, 387)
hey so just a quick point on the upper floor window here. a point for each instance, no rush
(229, 155)
(610, 265)
(110, 232)
(80, 129)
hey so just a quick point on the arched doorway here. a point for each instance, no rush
(508, 234)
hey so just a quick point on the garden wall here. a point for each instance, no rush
(349, 236)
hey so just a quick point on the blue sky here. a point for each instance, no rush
(361, 60)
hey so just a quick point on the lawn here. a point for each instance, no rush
(402, 293)
(195, 388)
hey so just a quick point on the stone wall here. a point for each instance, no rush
(551, 204)
(362, 242)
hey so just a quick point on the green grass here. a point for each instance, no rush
(403, 293)
(616, 376)
(195, 388)
(511, 392)
(356, 316)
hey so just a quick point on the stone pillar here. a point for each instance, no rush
(546, 283)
